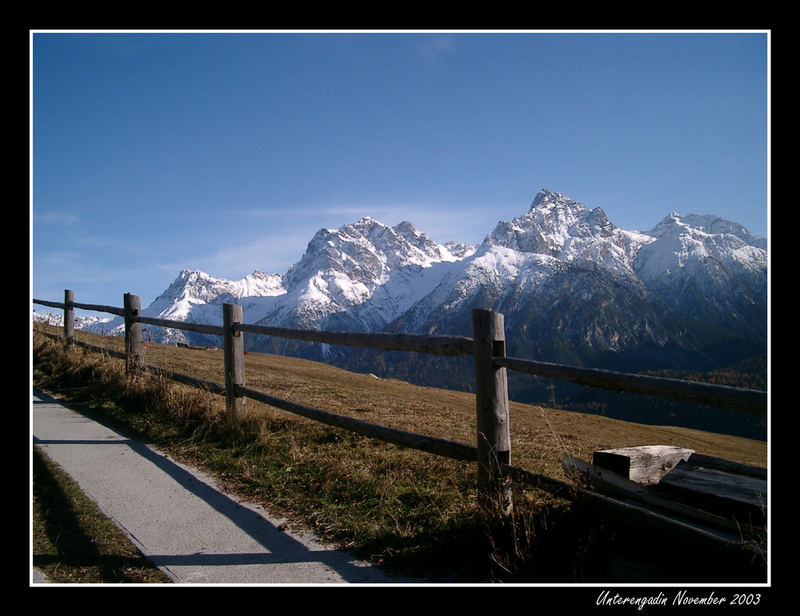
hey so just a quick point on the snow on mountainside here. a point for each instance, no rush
(708, 268)
(562, 228)
(196, 297)
(366, 262)
(359, 277)
(678, 242)
(574, 286)
(81, 322)
(193, 288)
(576, 289)
(569, 285)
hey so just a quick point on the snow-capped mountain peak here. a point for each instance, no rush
(194, 287)
(196, 296)
(365, 261)
(698, 224)
(368, 251)
(686, 242)
(548, 199)
(565, 229)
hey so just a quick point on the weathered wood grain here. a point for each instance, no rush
(233, 345)
(216, 330)
(492, 408)
(645, 464)
(419, 343)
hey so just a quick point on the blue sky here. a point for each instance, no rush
(225, 152)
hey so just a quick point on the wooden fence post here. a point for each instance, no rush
(133, 333)
(491, 400)
(233, 345)
(69, 319)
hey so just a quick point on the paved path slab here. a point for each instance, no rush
(179, 518)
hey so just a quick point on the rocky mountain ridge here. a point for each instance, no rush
(691, 293)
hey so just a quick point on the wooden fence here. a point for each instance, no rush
(492, 450)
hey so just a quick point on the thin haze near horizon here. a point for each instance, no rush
(226, 152)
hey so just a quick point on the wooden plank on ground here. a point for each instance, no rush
(604, 480)
(729, 466)
(739, 496)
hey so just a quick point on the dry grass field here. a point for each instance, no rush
(403, 508)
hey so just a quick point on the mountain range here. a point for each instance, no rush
(688, 294)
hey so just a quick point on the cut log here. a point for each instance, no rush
(645, 465)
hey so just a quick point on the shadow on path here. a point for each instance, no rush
(280, 546)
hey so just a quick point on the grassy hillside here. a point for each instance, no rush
(404, 509)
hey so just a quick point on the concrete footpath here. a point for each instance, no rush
(179, 518)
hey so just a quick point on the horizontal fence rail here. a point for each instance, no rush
(93, 307)
(487, 346)
(201, 328)
(721, 396)
(734, 398)
(418, 343)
